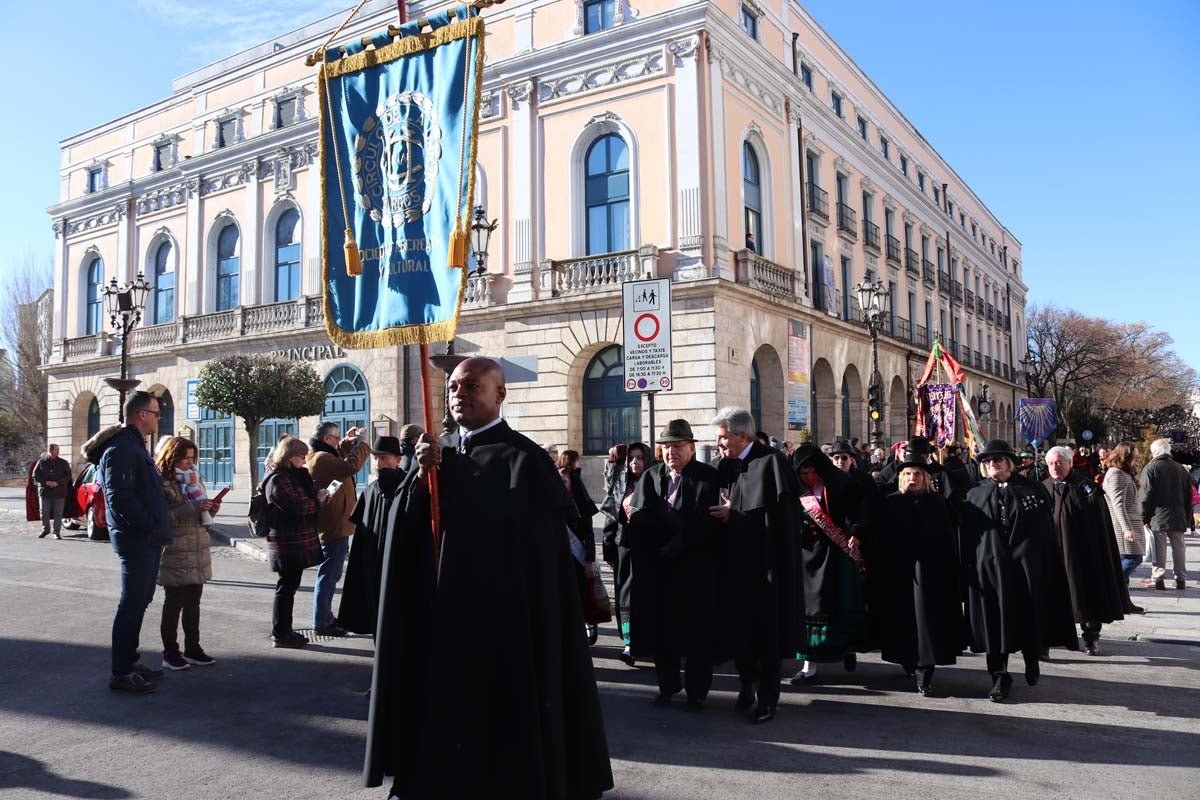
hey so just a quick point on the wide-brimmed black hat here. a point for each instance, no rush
(910, 459)
(844, 447)
(386, 446)
(677, 430)
(918, 445)
(996, 448)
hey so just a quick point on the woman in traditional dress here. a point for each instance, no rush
(835, 618)
(917, 573)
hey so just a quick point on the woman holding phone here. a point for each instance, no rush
(187, 561)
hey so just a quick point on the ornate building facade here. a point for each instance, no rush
(732, 147)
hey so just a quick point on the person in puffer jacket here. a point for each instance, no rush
(187, 560)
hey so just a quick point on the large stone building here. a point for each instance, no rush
(733, 147)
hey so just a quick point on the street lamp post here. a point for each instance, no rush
(481, 237)
(871, 298)
(124, 305)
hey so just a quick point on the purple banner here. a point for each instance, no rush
(941, 413)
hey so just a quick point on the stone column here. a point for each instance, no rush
(193, 267)
(251, 278)
(722, 263)
(62, 284)
(523, 109)
(690, 209)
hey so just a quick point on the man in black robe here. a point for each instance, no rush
(674, 543)
(453, 716)
(760, 591)
(1085, 539)
(359, 611)
(1017, 596)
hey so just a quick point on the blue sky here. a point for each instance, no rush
(1077, 123)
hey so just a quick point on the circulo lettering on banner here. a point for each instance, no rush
(637, 327)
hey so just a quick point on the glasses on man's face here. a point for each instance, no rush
(156, 414)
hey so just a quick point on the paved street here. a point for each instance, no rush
(265, 723)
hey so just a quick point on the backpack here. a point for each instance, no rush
(258, 519)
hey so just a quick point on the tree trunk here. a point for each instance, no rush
(252, 426)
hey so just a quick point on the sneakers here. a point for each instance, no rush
(333, 630)
(147, 673)
(132, 683)
(174, 661)
(199, 658)
(291, 640)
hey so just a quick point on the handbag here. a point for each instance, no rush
(1151, 549)
(597, 607)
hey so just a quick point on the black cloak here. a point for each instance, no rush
(1085, 536)
(675, 557)
(1016, 588)
(761, 592)
(455, 714)
(359, 609)
(917, 580)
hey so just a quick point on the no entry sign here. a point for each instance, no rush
(647, 309)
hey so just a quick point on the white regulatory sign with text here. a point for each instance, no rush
(647, 323)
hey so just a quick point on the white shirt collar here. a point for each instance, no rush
(746, 452)
(492, 424)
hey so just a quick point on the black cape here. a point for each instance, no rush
(359, 609)
(917, 578)
(1085, 541)
(675, 556)
(1016, 588)
(455, 712)
(761, 591)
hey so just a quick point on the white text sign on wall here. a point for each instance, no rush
(647, 323)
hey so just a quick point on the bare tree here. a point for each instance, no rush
(25, 320)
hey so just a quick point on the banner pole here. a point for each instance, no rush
(402, 10)
(435, 508)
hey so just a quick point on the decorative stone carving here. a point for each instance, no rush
(520, 92)
(868, 185)
(281, 170)
(686, 47)
(101, 220)
(60, 227)
(489, 104)
(840, 164)
(811, 142)
(889, 202)
(629, 70)
(742, 79)
(910, 217)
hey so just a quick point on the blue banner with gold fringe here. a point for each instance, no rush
(399, 122)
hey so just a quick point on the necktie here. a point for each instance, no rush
(463, 446)
(673, 490)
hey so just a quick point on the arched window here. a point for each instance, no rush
(227, 268)
(752, 197)
(610, 414)
(755, 395)
(348, 403)
(93, 418)
(606, 195)
(166, 414)
(164, 285)
(845, 409)
(287, 256)
(94, 310)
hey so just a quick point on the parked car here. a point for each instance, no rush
(90, 498)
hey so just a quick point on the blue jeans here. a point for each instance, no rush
(328, 575)
(139, 572)
(1129, 564)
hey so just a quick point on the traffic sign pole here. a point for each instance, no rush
(650, 402)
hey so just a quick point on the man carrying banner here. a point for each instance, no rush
(520, 716)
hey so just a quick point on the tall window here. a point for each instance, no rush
(164, 285)
(921, 181)
(227, 268)
(95, 179)
(93, 418)
(904, 164)
(806, 76)
(287, 256)
(862, 128)
(750, 21)
(226, 132)
(610, 414)
(164, 155)
(285, 112)
(606, 195)
(752, 191)
(884, 148)
(598, 15)
(94, 309)
(755, 394)
(836, 102)
(847, 289)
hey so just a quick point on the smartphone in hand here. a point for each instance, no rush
(334, 486)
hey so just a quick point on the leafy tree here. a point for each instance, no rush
(257, 388)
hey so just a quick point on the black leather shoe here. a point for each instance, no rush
(627, 659)
(1001, 684)
(1033, 673)
(763, 714)
(333, 630)
(1135, 610)
(925, 681)
(850, 662)
(745, 699)
(1179, 583)
(1160, 585)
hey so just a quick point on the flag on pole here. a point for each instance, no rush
(398, 131)
(1038, 418)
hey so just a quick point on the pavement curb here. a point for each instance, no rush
(1152, 638)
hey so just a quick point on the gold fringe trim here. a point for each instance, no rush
(424, 333)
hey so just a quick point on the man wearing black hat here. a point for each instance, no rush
(674, 543)
(1016, 589)
(760, 586)
(358, 612)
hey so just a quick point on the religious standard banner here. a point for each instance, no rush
(1038, 418)
(798, 391)
(398, 133)
(942, 413)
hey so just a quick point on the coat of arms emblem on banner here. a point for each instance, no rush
(396, 157)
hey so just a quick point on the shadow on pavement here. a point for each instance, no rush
(21, 772)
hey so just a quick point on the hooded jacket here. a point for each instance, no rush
(133, 493)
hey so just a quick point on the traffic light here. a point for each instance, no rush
(874, 402)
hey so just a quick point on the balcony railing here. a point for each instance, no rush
(818, 201)
(828, 300)
(1004, 371)
(893, 249)
(84, 347)
(765, 275)
(911, 259)
(957, 288)
(978, 360)
(929, 273)
(966, 356)
(478, 293)
(154, 337)
(944, 282)
(847, 220)
(579, 275)
(921, 339)
(904, 330)
(991, 312)
(978, 304)
(970, 304)
(870, 235)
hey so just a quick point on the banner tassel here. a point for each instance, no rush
(457, 255)
(353, 259)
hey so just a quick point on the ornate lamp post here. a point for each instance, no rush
(872, 296)
(481, 237)
(124, 305)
